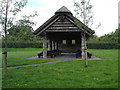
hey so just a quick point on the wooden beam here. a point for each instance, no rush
(78, 26)
(63, 25)
(47, 26)
(57, 46)
(60, 28)
(52, 45)
(48, 44)
(63, 30)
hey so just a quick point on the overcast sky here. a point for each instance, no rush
(105, 11)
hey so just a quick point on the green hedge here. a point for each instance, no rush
(23, 45)
(103, 45)
(39, 45)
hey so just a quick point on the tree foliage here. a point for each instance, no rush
(84, 12)
(107, 41)
(27, 20)
(112, 37)
(22, 30)
(22, 34)
(14, 6)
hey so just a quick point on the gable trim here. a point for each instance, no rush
(77, 26)
(45, 28)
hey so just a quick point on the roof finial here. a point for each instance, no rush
(63, 9)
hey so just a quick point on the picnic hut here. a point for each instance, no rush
(63, 33)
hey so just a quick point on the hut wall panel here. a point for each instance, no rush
(63, 31)
(51, 28)
(62, 25)
(69, 49)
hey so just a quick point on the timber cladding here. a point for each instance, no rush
(63, 21)
(63, 31)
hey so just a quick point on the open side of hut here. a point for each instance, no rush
(63, 32)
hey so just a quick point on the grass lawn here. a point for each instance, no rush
(68, 74)
(17, 56)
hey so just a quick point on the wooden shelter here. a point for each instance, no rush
(63, 32)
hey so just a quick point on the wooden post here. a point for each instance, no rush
(44, 47)
(4, 57)
(53, 45)
(57, 45)
(50, 45)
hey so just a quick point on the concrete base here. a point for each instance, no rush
(62, 57)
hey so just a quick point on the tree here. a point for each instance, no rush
(13, 7)
(27, 20)
(8, 11)
(110, 38)
(84, 12)
(22, 30)
(22, 34)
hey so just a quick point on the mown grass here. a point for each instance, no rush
(68, 74)
(17, 56)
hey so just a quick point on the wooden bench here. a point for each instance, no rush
(57, 52)
(89, 55)
(51, 53)
(40, 54)
(79, 54)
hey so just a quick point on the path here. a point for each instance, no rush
(33, 64)
(59, 59)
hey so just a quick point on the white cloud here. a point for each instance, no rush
(45, 10)
(106, 11)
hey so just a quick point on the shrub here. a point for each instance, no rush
(23, 45)
(103, 45)
(39, 45)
